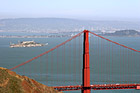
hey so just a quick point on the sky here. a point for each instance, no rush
(78, 9)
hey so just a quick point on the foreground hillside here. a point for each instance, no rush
(10, 82)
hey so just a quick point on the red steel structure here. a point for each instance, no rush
(86, 68)
(86, 87)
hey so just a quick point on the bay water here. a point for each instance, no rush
(10, 57)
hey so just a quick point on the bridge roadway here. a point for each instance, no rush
(98, 87)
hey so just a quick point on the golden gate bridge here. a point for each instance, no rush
(90, 63)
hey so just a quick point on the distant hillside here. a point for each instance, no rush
(38, 24)
(124, 33)
(50, 25)
(10, 82)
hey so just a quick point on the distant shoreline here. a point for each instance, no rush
(35, 36)
(119, 36)
(51, 36)
(124, 33)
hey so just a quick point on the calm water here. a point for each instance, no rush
(10, 57)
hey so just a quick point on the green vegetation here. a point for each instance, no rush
(10, 82)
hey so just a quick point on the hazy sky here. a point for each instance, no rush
(82, 9)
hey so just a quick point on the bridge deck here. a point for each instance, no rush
(99, 87)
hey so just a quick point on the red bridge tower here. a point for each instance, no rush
(86, 69)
